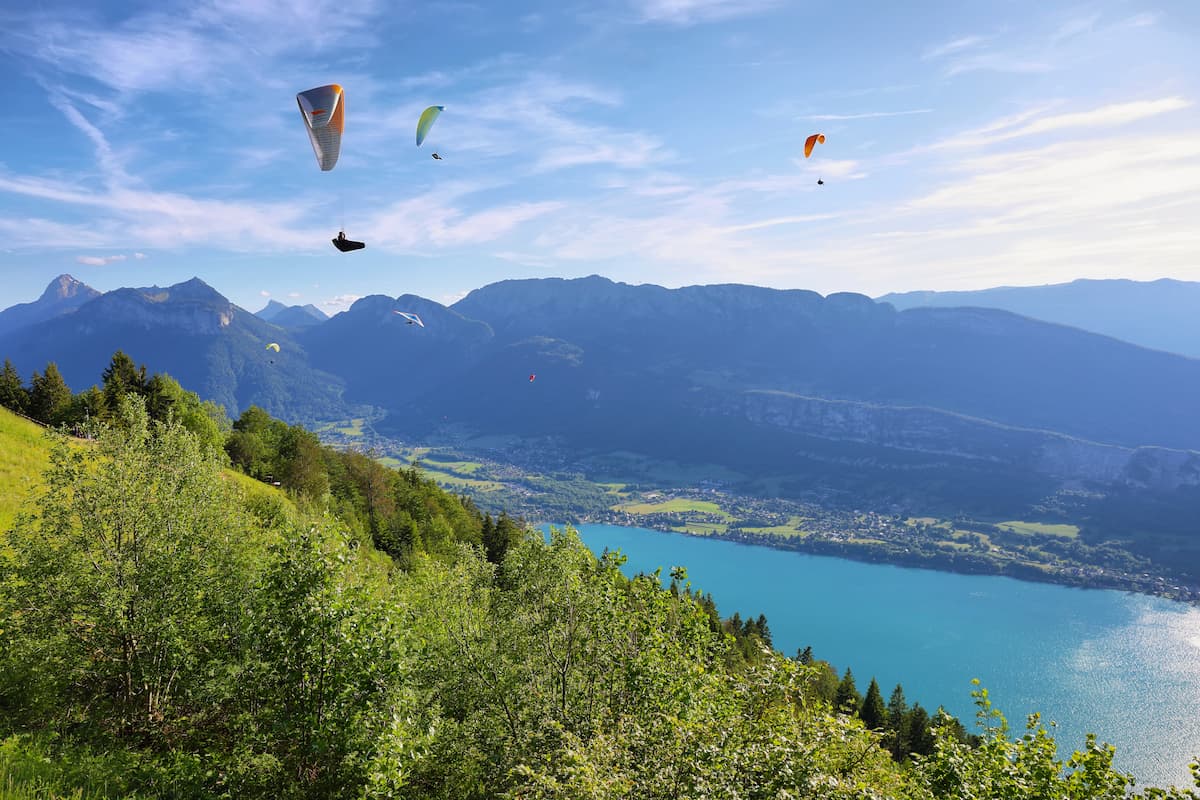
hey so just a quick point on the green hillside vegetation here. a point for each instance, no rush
(23, 458)
(166, 631)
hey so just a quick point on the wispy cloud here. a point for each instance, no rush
(264, 293)
(201, 47)
(1035, 121)
(953, 46)
(340, 302)
(870, 114)
(99, 261)
(690, 12)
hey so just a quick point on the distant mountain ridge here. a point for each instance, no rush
(1162, 314)
(64, 295)
(969, 408)
(192, 332)
(291, 317)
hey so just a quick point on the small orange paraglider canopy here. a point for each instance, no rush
(811, 142)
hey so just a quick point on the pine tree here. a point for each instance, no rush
(805, 656)
(920, 734)
(13, 394)
(897, 739)
(49, 395)
(847, 698)
(121, 378)
(873, 713)
(763, 631)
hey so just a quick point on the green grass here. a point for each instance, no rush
(701, 528)
(1041, 528)
(24, 456)
(675, 506)
(448, 464)
(788, 530)
(353, 427)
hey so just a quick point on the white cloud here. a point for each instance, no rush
(870, 114)
(952, 46)
(690, 12)
(1030, 123)
(99, 261)
(340, 302)
(264, 293)
(204, 47)
(139, 256)
(294, 295)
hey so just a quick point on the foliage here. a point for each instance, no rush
(1027, 767)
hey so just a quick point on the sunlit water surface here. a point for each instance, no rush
(1124, 666)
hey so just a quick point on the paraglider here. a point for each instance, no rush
(437, 157)
(412, 319)
(346, 245)
(811, 142)
(532, 377)
(428, 116)
(273, 346)
(820, 182)
(324, 113)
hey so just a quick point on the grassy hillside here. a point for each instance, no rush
(24, 455)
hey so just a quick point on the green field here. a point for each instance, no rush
(675, 506)
(701, 528)
(793, 528)
(1041, 528)
(352, 427)
(24, 455)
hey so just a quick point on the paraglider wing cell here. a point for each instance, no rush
(811, 142)
(426, 122)
(324, 113)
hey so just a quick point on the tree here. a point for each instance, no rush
(897, 719)
(125, 622)
(847, 699)
(920, 736)
(873, 713)
(86, 406)
(49, 396)
(13, 394)
(121, 377)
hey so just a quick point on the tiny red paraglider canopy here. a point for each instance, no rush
(531, 377)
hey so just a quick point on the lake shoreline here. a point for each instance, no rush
(964, 565)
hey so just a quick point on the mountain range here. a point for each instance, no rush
(967, 410)
(1159, 314)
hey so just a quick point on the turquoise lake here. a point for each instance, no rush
(1124, 666)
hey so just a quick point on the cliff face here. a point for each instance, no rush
(939, 433)
(193, 308)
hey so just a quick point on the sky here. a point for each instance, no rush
(968, 144)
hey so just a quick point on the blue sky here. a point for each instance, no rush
(969, 144)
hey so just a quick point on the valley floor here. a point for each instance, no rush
(540, 482)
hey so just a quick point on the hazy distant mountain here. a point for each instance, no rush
(697, 346)
(62, 296)
(384, 360)
(191, 331)
(966, 409)
(291, 317)
(1162, 314)
(270, 310)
